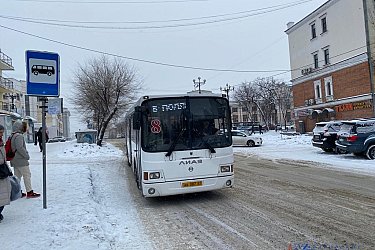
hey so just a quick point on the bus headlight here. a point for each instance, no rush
(154, 175)
(225, 169)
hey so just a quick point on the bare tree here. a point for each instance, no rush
(104, 88)
(248, 95)
(278, 94)
(266, 94)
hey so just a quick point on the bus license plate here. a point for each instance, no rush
(192, 184)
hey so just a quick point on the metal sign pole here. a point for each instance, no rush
(43, 80)
(44, 101)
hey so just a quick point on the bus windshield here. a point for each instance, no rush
(185, 123)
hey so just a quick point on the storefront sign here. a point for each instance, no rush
(344, 107)
(362, 105)
(353, 106)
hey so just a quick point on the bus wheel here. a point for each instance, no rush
(36, 73)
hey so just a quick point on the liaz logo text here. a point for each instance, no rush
(190, 162)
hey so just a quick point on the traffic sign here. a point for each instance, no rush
(42, 73)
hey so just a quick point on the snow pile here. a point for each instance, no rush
(82, 150)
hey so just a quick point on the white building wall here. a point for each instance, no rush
(346, 31)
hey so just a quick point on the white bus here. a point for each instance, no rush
(180, 143)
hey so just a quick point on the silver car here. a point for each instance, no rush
(241, 138)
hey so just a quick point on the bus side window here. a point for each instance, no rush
(137, 118)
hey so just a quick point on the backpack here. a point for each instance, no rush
(8, 149)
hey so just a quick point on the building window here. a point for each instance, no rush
(326, 56)
(234, 109)
(244, 118)
(316, 60)
(324, 24)
(328, 86)
(318, 90)
(313, 31)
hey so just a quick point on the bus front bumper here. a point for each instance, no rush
(187, 186)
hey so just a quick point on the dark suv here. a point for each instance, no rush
(325, 135)
(358, 137)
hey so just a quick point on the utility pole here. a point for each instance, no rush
(226, 89)
(198, 83)
(369, 54)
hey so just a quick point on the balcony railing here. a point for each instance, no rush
(6, 106)
(6, 83)
(6, 59)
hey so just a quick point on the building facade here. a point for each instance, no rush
(330, 63)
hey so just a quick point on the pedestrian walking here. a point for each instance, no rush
(260, 129)
(5, 187)
(39, 138)
(20, 162)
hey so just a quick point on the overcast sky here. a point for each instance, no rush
(205, 34)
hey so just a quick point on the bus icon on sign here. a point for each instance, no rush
(42, 69)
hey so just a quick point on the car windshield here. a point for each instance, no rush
(174, 124)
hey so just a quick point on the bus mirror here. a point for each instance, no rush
(137, 117)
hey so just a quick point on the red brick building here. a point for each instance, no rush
(330, 66)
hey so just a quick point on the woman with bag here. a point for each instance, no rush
(5, 186)
(20, 162)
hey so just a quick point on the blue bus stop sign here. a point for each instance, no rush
(42, 73)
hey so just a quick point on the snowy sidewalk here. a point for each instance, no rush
(88, 203)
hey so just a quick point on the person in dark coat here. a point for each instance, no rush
(39, 139)
(252, 129)
(260, 129)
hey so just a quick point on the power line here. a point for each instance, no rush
(282, 71)
(157, 26)
(153, 21)
(111, 2)
(249, 57)
(138, 59)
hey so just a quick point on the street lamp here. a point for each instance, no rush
(198, 84)
(226, 89)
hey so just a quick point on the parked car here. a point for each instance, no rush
(242, 138)
(358, 137)
(325, 136)
(252, 129)
(57, 139)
